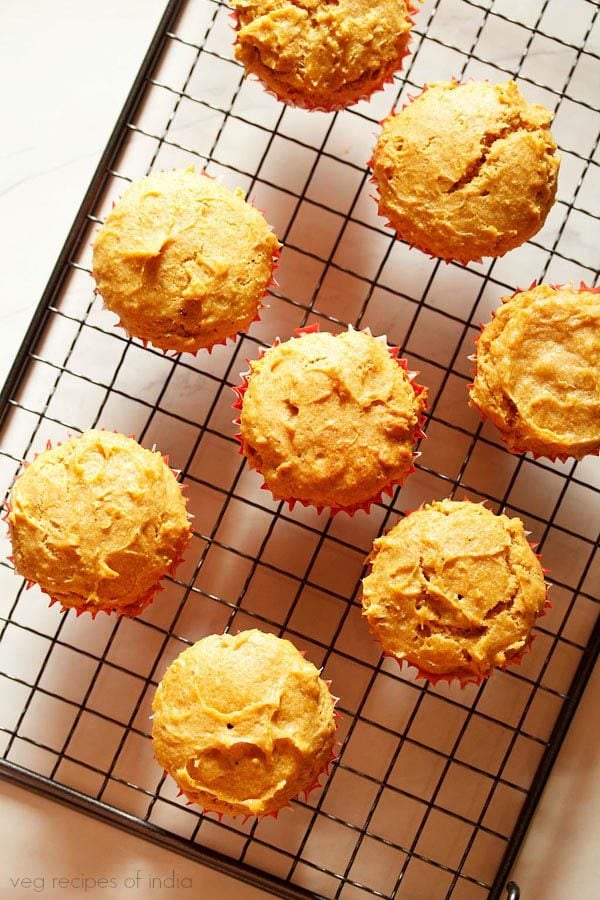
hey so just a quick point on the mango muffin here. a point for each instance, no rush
(538, 371)
(454, 590)
(322, 55)
(97, 522)
(330, 420)
(183, 261)
(466, 170)
(243, 723)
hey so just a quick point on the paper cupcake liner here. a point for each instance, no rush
(422, 675)
(131, 610)
(511, 446)
(388, 489)
(470, 678)
(221, 342)
(364, 95)
(464, 680)
(314, 785)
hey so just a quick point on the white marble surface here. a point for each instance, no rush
(68, 66)
(65, 70)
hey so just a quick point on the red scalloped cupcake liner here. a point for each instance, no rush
(364, 96)
(221, 342)
(511, 446)
(315, 785)
(471, 678)
(422, 675)
(464, 680)
(131, 610)
(388, 489)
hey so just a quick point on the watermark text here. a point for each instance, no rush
(138, 881)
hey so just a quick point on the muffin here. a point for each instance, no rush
(322, 55)
(97, 522)
(466, 170)
(538, 373)
(454, 590)
(243, 723)
(183, 261)
(330, 420)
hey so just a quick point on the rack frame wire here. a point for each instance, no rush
(257, 852)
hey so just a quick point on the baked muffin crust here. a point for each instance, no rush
(97, 522)
(538, 371)
(466, 170)
(322, 54)
(330, 420)
(183, 261)
(454, 590)
(243, 723)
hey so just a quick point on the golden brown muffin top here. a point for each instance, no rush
(454, 590)
(243, 723)
(330, 419)
(538, 371)
(97, 522)
(467, 170)
(322, 54)
(183, 261)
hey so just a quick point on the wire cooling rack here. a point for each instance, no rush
(435, 785)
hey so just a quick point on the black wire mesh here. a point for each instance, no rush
(428, 795)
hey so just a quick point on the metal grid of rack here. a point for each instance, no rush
(434, 786)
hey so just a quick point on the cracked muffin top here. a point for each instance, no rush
(538, 371)
(454, 590)
(466, 170)
(330, 420)
(243, 723)
(97, 522)
(183, 261)
(322, 54)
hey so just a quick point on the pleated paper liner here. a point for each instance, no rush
(511, 446)
(362, 94)
(387, 489)
(130, 610)
(230, 338)
(470, 678)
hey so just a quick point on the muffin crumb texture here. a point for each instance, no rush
(322, 54)
(184, 261)
(454, 590)
(330, 420)
(466, 170)
(97, 522)
(538, 371)
(243, 723)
